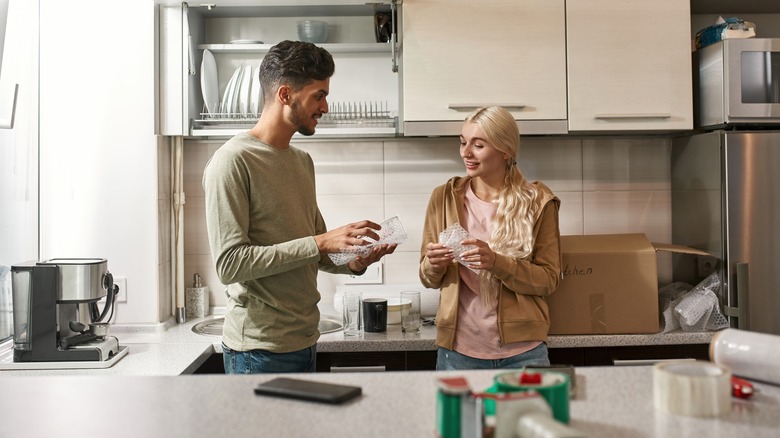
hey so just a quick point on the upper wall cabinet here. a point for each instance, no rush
(210, 53)
(629, 65)
(457, 55)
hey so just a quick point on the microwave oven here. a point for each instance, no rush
(738, 83)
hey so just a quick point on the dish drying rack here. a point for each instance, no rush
(343, 118)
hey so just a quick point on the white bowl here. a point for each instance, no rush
(394, 306)
(313, 31)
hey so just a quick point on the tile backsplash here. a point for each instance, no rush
(606, 185)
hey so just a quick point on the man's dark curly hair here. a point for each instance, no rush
(296, 64)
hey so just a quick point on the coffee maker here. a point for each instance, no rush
(56, 312)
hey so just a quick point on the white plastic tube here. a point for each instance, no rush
(751, 355)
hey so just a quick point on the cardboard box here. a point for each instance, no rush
(610, 285)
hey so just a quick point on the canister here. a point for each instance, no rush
(451, 392)
(196, 299)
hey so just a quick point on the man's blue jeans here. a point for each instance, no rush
(262, 361)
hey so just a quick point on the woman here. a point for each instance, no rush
(493, 315)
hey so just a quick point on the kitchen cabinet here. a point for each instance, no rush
(362, 361)
(590, 356)
(426, 360)
(457, 55)
(629, 65)
(364, 97)
(351, 361)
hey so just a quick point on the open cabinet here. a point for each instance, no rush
(215, 50)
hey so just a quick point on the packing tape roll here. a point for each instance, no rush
(749, 354)
(692, 389)
(554, 388)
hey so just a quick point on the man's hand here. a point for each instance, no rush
(377, 252)
(341, 238)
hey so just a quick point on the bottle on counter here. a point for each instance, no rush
(196, 299)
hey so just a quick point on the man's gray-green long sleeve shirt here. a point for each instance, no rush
(261, 216)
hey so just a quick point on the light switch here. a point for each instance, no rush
(373, 275)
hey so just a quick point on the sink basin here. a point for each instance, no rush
(210, 327)
(213, 327)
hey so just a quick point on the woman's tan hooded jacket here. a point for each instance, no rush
(522, 309)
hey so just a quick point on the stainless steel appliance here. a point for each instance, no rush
(56, 313)
(738, 83)
(726, 200)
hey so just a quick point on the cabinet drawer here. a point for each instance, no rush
(362, 361)
(613, 355)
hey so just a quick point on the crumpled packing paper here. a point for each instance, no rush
(451, 238)
(392, 232)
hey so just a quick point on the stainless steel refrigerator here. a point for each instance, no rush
(726, 200)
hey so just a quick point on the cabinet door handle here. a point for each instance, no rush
(473, 106)
(635, 362)
(190, 50)
(741, 309)
(363, 369)
(632, 116)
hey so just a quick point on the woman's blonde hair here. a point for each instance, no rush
(512, 231)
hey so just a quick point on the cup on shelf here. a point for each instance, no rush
(313, 31)
(383, 22)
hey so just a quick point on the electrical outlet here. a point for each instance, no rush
(706, 265)
(373, 275)
(121, 297)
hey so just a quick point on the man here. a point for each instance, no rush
(266, 233)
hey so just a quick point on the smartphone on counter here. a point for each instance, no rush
(308, 390)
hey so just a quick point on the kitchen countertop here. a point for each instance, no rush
(172, 349)
(609, 402)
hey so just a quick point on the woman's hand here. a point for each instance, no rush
(480, 258)
(439, 256)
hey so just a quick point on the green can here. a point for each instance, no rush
(449, 399)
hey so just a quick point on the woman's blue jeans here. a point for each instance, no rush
(452, 360)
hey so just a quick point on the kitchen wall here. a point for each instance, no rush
(606, 185)
(97, 135)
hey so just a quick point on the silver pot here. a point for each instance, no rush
(82, 280)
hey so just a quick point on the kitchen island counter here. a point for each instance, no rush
(609, 402)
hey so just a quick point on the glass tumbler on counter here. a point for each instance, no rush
(352, 304)
(410, 315)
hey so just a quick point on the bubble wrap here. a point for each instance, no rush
(698, 309)
(668, 297)
(451, 238)
(392, 232)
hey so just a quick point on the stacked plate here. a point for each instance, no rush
(209, 83)
(242, 97)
